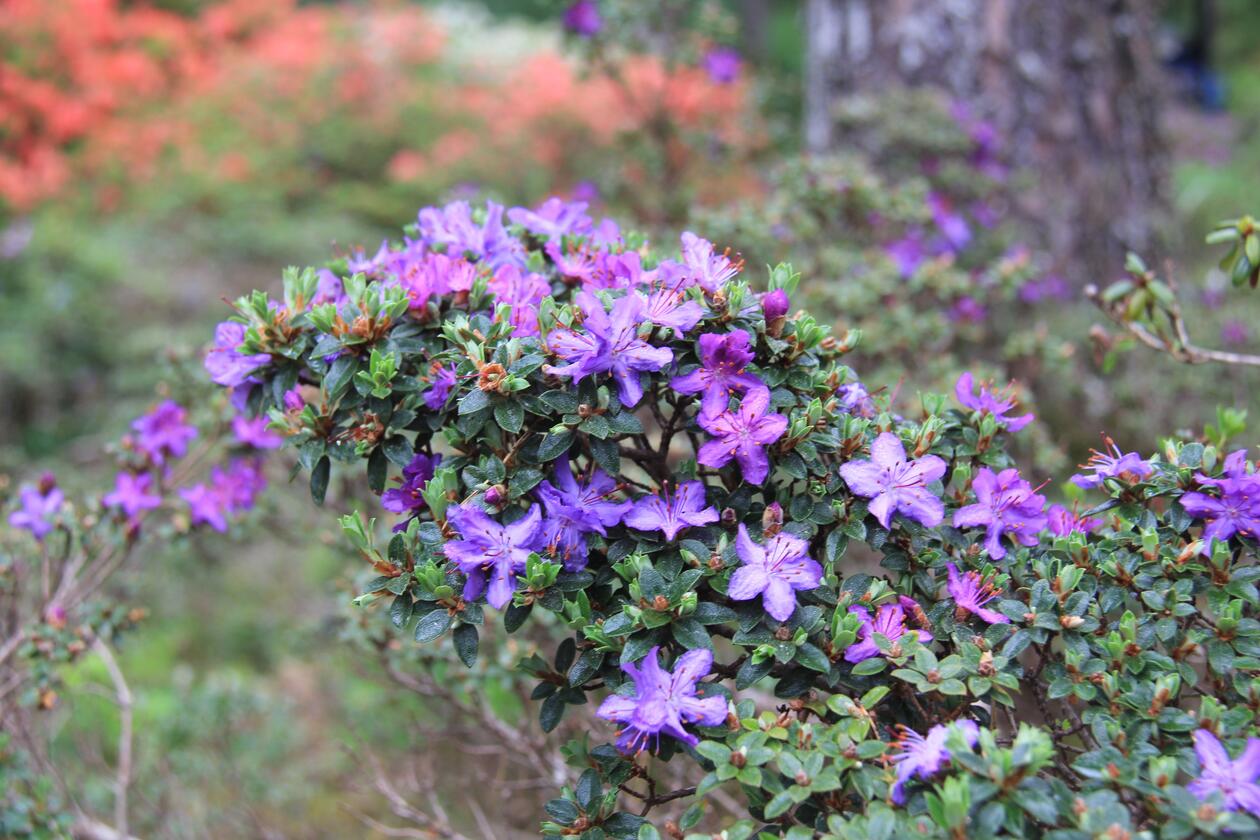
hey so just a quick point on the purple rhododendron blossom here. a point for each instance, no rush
(889, 621)
(669, 307)
(228, 491)
(253, 431)
(434, 274)
(329, 289)
(908, 252)
(968, 310)
(952, 225)
(37, 505)
(775, 571)
(670, 513)
(1061, 521)
(164, 432)
(895, 484)
(524, 291)
(743, 434)
(132, 494)
(360, 263)
(924, 756)
(1236, 511)
(226, 365)
(708, 270)
(1128, 466)
(856, 400)
(554, 218)
(583, 18)
(722, 373)
(442, 381)
(453, 227)
(722, 64)
(576, 262)
(1237, 781)
(988, 402)
(491, 552)
(1006, 504)
(971, 592)
(663, 702)
(574, 510)
(406, 497)
(609, 343)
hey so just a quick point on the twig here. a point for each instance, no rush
(122, 697)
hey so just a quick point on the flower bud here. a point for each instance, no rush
(772, 519)
(496, 496)
(774, 305)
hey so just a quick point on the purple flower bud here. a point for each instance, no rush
(55, 615)
(772, 519)
(496, 496)
(774, 305)
(722, 64)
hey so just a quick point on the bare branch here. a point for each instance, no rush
(122, 697)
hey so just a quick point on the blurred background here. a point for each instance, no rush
(948, 177)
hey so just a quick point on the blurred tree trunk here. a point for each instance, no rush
(1073, 86)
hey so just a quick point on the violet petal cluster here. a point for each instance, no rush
(895, 484)
(1006, 505)
(775, 571)
(491, 554)
(664, 702)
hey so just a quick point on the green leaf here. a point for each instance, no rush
(553, 446)
(551, 712)
(691, 634)
(474, 401)
(400, 610)
(432, 625)
(466, 642)
(319, 479)
(510, 416)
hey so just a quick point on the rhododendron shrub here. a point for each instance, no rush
(858, 623)
(184, 467)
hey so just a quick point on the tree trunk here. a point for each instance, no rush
(1073, 86)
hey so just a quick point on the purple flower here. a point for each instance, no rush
(360, 263)
(889, 621)
(226, 365)
(492, 551)
(989, 402)
(453, 228)
(925, 756)
(708, 270)
(164, 432)
(131, 493)
(773, 571)
(968, 310)
(228, 491)
(722, 373)
(670, 513)
(554, 218)
(1006, 504)
(663, 702)
(1236, 511)
(574, 510)
(582, 18)
(609, 344)
(253, 431)
(907, 253)
(1236, 780)
(1062, 522)
(293, 399)
(206, 506)
(952, 226)
(524, 291)
(406, 498)
(971, 592)
(743, 434)
(895, 484)
(722, 64)
(442, 381)
(37, 506)
(669, 307)
(856, 400)
(1235, 332)
(1127, 466)
(434, 274)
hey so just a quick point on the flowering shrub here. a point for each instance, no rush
(57, 559)
(651, 456)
